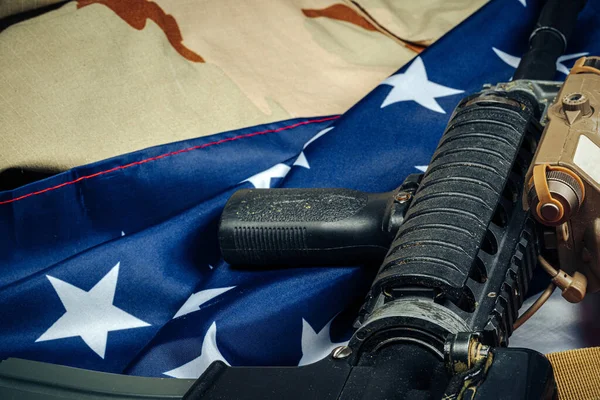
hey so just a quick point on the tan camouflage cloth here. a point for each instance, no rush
(97, 78)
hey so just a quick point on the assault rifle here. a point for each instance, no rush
(513, 184)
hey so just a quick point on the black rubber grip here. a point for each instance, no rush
(446, 224)
(306, 226)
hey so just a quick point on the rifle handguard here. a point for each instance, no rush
(465, 197)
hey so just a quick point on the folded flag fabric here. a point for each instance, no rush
(161, 71)
(114, 266)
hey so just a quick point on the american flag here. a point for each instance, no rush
(114, 266)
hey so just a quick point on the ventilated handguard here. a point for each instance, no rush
(461, 194)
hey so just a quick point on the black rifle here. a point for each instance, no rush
(457, 250)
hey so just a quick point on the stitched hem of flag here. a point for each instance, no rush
(165, 155)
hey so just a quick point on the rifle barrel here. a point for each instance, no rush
(549, 39)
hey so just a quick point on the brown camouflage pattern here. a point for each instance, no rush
(136, 12)
(341, 12)
(98, 78)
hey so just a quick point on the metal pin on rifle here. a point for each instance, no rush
(341, 352)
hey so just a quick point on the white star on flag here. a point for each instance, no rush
(413, 85)
(194, 302)
(316, 346)
(514, 61)
(523, 2)
(196, 367)
(90, 315)
(262, 180)
(301, 161)
(422, 168)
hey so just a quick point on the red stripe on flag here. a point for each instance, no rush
(108, 171)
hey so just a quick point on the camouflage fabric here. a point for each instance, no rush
(418, 22)
(97, 78)
(12, 7)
